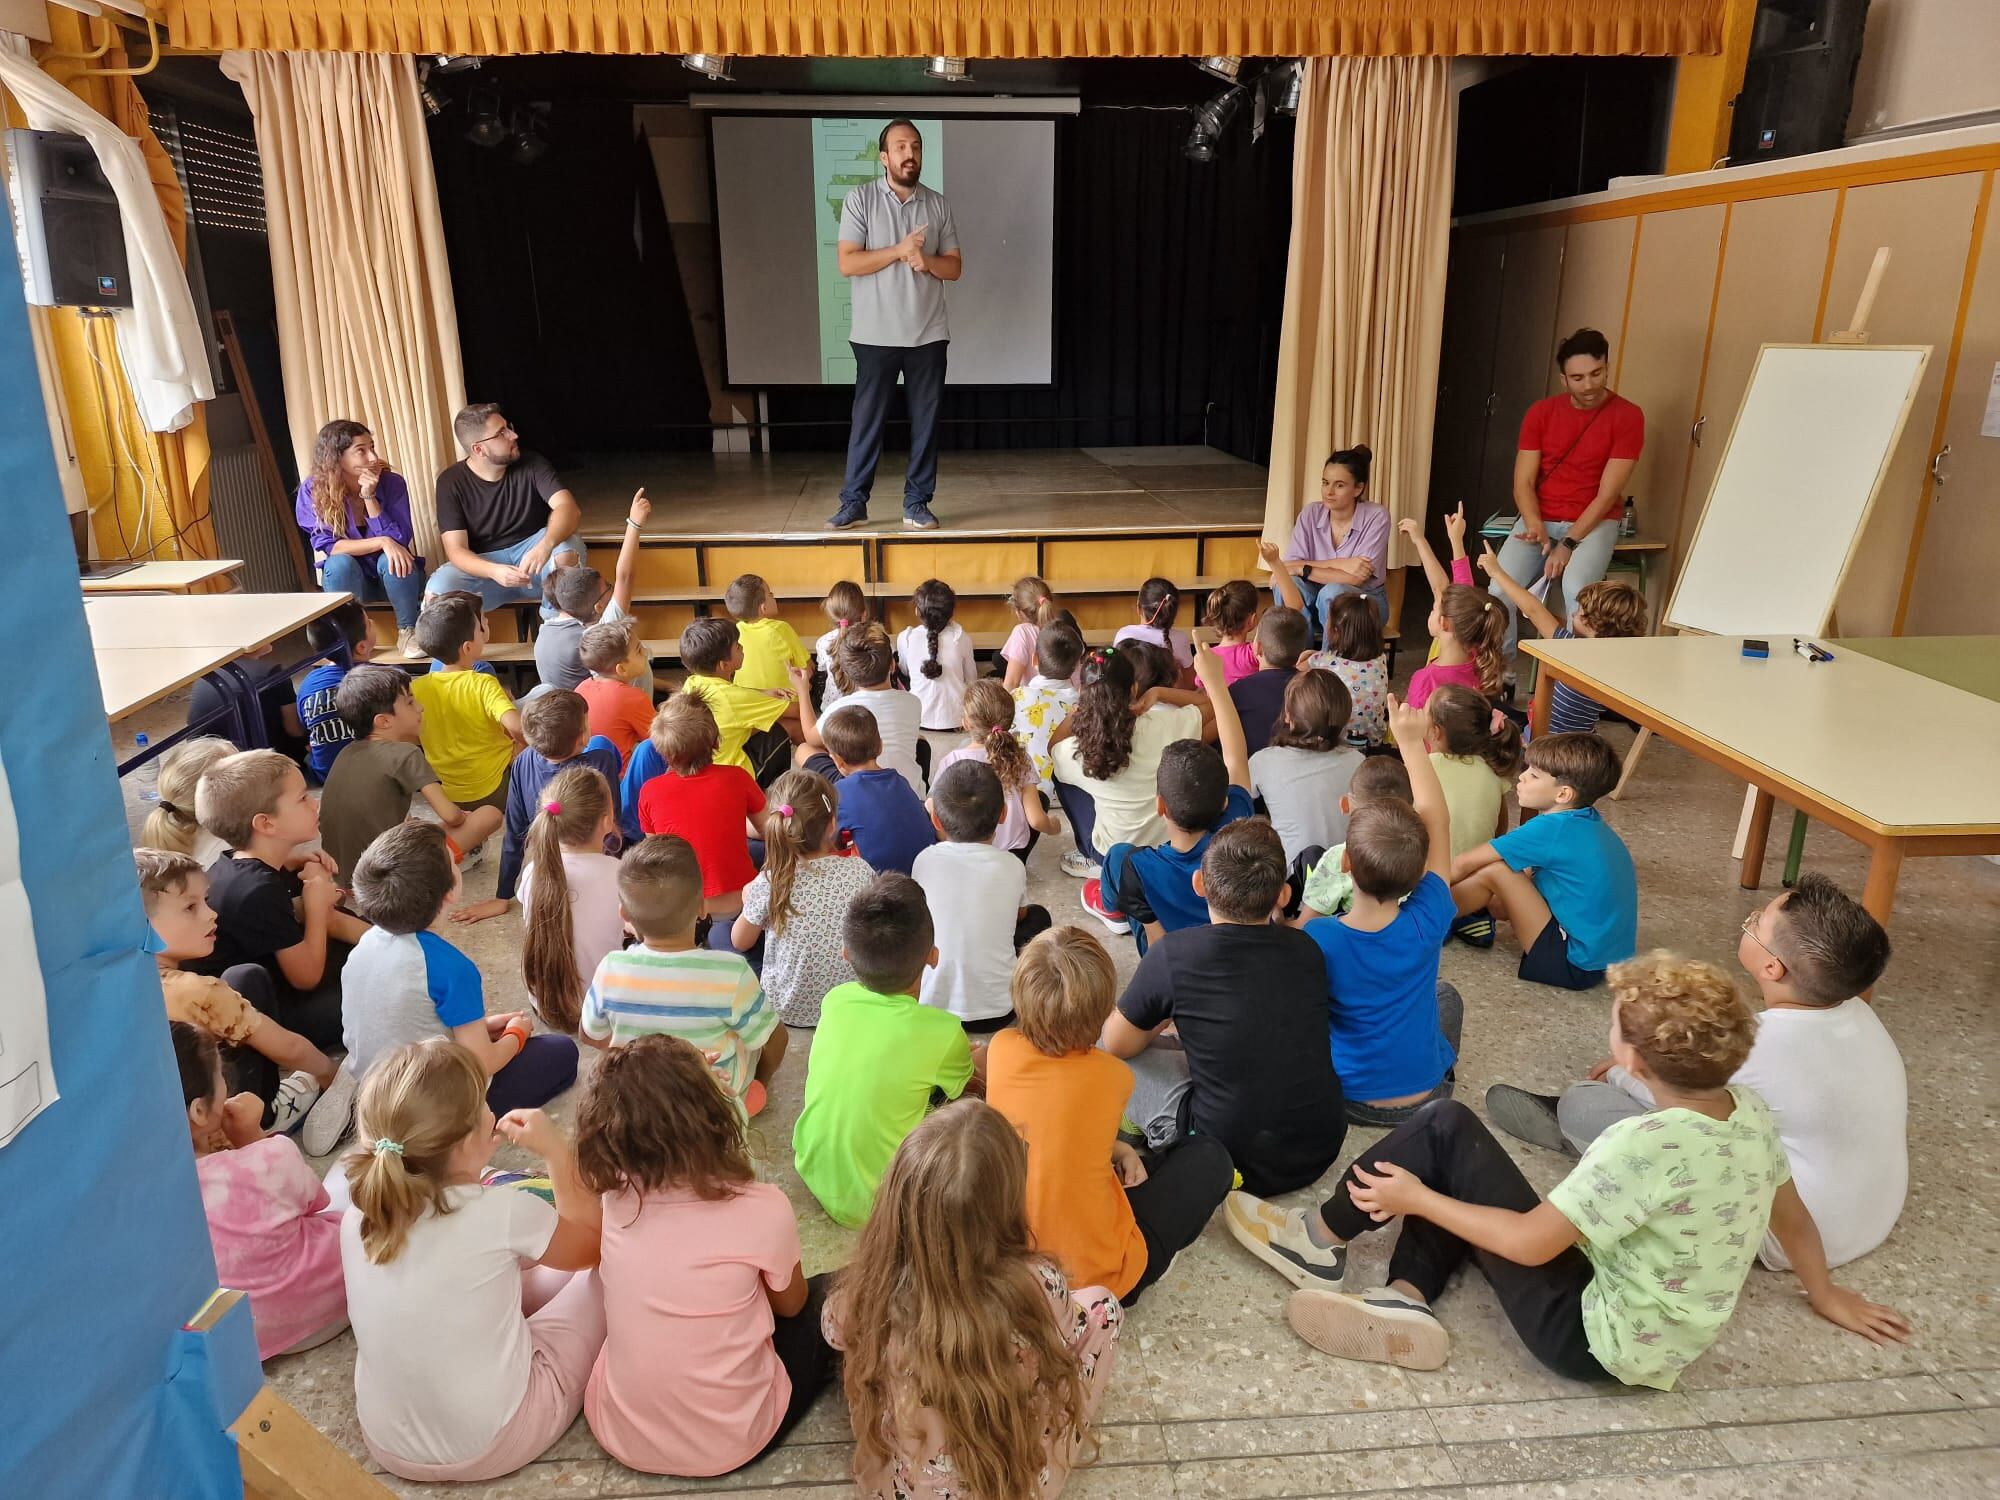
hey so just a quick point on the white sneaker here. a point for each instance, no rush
(1381, 1327)
(406, 644)
(295, 1096)
(472, 858)
(330, 1118)
(1073, 863)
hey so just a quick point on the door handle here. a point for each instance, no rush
(1937, 461)
(1694, 435)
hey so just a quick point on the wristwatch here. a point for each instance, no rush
(1569, 542)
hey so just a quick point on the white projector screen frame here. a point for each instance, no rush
(1791, 498)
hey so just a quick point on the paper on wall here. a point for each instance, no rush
(1990, 426)
(27, 1080)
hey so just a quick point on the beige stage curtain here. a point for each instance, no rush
(959, 28)
(367, 328)
(1364, 284)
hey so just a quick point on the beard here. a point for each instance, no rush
(906, 175)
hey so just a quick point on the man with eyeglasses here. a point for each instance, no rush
(502, 514)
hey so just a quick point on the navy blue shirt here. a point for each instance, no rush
(325, 730)
(1259, 699)
(531, 772)
(886, 819)
(1157, 884)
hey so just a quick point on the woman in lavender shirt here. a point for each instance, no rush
(1340, 544)
(357, 512)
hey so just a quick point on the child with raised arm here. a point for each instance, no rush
(1467, 623)
(625, 575)
(1232, 613)
(471, 728)
(1630, 1267)
(1604, 610)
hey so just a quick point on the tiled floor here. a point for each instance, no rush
(1214, 1396)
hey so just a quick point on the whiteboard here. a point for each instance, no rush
(1792, 495)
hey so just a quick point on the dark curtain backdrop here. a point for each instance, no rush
(569, 297)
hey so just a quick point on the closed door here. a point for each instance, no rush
(1927, 224)
(1597, 271)
(1771, 272)
(1953, 592)
(1658, 362)
(1465, 365)
(1530, 285)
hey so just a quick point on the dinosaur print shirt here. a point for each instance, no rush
(1672, 1207)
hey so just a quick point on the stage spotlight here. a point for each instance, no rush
(530, 144)
(1210, 121)
(432, 104)
(1286, 81)
(445, 62)
(486, 127)
(948, 70)
(714, 66)
(1225, 68)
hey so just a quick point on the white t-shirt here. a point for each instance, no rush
(1128, 804)
(443, 1351)
(830, 695)
(976, 893)
(942, 696)
(1834, 1083)
(896, 718)
(595, 925)
(1302, 791)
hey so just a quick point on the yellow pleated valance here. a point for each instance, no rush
(957, 28)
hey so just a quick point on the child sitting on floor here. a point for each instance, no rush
(404, 983)
(846, 606)
(1630, 1267)
(1476, 752)
(617, 710)
(936, 658)
(474, 1338)
(1604, 610)
(879, 1054)
(576, 593)
(1232, 613)
(1822, 1062)
(1564, 879)
(1046, 699)
(171, 824)
(1159, 605)
(1282, 638)
(275, 1237)
(753, 725)
(713, 1349)
(569, 894)
(1329, 889)
(1001, 1408)
(1468, 624)
(1034, 606)
(471, 728)
(707, 803)
(1355, 653)
(978, 897)
(344, 639)
(799, 900)
(557, 726)
(880, 814)
(1304, 772)
(771, 648)
(989, 732)
(1104, 1212)
(864, 667)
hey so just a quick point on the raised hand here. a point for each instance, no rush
(642, 508)
(1409, 725)
(1489, 560)
(1454, 527)
(1412, 528)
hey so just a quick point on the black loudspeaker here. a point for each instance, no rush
(1799, 82)
(72, 242)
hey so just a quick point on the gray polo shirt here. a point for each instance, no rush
(897, 306)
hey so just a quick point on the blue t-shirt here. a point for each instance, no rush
(526, 778)
(645, 764)
(325, 730)
(886, 818)
(1156, 883)
(1384, 1021)
(1584, 871)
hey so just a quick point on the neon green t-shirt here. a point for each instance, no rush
(1329, 889)
(875, 1060)
(1672, 1207)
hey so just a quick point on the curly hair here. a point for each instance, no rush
(935, 604)
(989, 719)
(1683, 1017)
(1612, 609)
(1103, 714)
(657, 1117)
(1480, 624)
(329, 493)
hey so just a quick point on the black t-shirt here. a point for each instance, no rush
(496, 513)
(1250, 1004)
(1259, 699)
(256, 915)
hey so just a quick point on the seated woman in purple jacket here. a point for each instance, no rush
(357, 512)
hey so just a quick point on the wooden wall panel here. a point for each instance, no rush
(1597, 271)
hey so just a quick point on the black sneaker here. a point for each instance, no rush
(848, 515)
(1475, 928)
(1527, 1117)
(919, 518)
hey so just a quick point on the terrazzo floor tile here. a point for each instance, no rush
(1632, 1412)
(1304, 1474)
(1334, 1433)
(1550, 1459)
(1928, 1432)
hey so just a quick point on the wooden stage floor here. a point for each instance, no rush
(1046, 491)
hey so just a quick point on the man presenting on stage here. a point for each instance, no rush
(899, 246)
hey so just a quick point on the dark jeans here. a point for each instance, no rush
(809, 1360)
(1451, 1021)
(1081, 810)
(542, 1069)
(770, 755)
(1445, 1144)
(1031, 924)
(720, 940)
(876, 367)
(314, 1014)
(1184, 1185)
(245, 1069)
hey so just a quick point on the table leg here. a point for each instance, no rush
(1756, 836)
(1795, 852)
(1885, 865)
(1538, 709)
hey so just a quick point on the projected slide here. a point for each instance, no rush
(845, 155)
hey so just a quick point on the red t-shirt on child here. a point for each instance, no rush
(707, 809)
(1616, 429)
(618, 711)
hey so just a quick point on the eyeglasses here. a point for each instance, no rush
(1750, 931)
(506, 429)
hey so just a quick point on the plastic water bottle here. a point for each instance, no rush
(148, 775)
(1628, 526)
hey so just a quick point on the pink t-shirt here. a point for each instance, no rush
(595, 925)
(1427, 680)
(1239, 660)
(1013, 831)
(688, 1382)
(1020, 647)
(275, 1238)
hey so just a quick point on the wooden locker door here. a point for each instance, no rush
(1597, 269)
(1528, 293)
(1958, 565)
(1771, 272)
(1658, 363)
(1465, 365)
(1928, 225)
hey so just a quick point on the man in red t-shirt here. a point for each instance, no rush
(1577, 450)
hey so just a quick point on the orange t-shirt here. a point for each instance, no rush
(618, 711)
(1067, 1109)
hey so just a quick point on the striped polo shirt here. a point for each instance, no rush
(1571, 712)
(710, 999)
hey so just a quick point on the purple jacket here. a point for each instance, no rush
(391, 494)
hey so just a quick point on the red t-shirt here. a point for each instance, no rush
(618, 711)
(707, 809)
(1616, 429)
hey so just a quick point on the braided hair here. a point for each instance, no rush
(934, 603)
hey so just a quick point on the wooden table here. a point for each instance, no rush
(243, 622)
(140, 677)
(1893, 758)
(164, 577)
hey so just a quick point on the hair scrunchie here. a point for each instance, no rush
(841, 623)
(784, 809)
(387, 1147)
(1498, 723)
(553, 809)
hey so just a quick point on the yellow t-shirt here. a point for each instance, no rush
(1473, 795)
(739, 713)
(462, 736)
(769, 646)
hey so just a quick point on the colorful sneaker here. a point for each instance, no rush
(1381, 1327)
(919, 518)
(848, 515)
(1527, 1117)
(1474, 928)
(295, 1096)
(1093, 902)
(1279, 1238)
(329, 1119)
(1074, 863)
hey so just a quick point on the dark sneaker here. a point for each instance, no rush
(1381, 1327)
(848, 515)
(1526, 1117)
(1474, 928)
(1279, 1238)
(919, 518)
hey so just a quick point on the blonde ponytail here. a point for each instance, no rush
(415, 1108)
(798, 811)
(171, 825)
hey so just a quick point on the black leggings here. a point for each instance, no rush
(1184, 1186)
(807, 1357)
(1445, 1144)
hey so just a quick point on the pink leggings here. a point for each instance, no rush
(566, 1321)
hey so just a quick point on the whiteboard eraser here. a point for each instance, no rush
(1759, 649)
